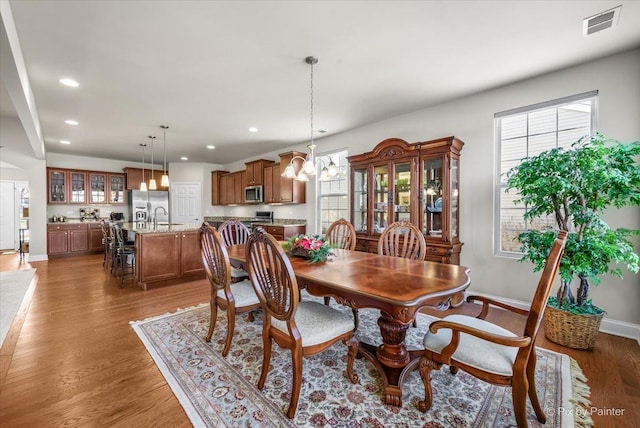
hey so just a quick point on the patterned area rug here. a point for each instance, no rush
(221, 392)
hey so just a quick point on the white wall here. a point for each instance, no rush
(471, 119)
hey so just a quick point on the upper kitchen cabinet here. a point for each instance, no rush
(292, 191)
(98, 186)
(116, 189)
(58, 181)
(255, 171)
(272, 183)
(134, 177)
(418, 183)
(77, 187)
(215, 186)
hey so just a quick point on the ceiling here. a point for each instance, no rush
(212, 69)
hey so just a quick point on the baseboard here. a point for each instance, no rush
(37, 258)
(610, 326)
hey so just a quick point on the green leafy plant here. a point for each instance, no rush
(575, 186)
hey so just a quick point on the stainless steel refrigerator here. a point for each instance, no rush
(143, 206)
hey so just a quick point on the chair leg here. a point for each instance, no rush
(453, 370)
(533, 395)
(266, 359)
(425, 366)
(231, 325)
(326, 300)
(214, 316)
(352, 345)
(356, 319)
(519, 390)
(296, 360)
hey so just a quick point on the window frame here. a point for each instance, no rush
(344, 171)
(499, 185)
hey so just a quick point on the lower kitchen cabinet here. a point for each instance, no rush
(282, 233)
(95, 237)
(165, 258)
(70, 239)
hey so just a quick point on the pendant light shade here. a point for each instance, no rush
(143, 184)
(164, 182)
(152, 180)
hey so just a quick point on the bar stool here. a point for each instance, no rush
(124, 255)
(107, 241)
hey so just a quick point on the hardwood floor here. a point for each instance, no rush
(75, 361)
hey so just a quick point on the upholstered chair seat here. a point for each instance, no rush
(475, 352)
(243, 294)
(238, 273)
(317, 323)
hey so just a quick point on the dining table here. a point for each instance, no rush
(398, 287)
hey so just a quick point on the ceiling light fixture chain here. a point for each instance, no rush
(143, 184)
(164, 182)
(152, 181)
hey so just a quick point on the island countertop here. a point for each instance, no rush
(162, 228)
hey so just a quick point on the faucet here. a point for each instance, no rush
(155, 216)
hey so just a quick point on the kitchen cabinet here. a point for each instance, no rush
(77, 187)
(134, 178)
(272, 183)
(255, 172)
(416, 182)
(98, 188)
(68, 239)
(282, 233)
(239, 179)
(95, 237)
(231, 188)
(215, 186)
(165, 258)
(116, 189)
(292, 191)
(57, 186)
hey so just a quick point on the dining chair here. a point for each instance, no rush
(402, 239)
(234, 297)
(124, 254)
(304, 327)
(490, 352)
(341, 234)
(234, 232)
(107, 241)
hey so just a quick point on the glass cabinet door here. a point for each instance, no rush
(78, 187)
(455, 180)
(57, 186)
(402, 192)
(360, 200)
(380, 198)
(98, 188)
(432, 197)
(116, 189)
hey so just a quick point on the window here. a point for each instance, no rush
(333, 194)
(526, 132)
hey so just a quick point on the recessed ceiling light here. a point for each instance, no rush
(210, 147)
(184, 158)
(65, 142)
(71, 122)
(253, 129)
(69, 82)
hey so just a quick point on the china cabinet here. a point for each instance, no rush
(416, 182)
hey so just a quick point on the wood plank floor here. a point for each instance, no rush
(72, 359)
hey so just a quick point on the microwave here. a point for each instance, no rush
(253, 195)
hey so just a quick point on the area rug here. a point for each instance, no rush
(13, 288)
(221, 392)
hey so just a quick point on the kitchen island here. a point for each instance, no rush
(167, 254)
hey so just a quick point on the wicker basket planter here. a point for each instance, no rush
(571, 330)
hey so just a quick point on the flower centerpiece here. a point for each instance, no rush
(312, 247)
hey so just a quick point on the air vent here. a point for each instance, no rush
(602, 21)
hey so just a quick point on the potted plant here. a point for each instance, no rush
(570, 189)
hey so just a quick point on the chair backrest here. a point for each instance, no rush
(105, 229)
(545, 283)
(341, 234)
(272, 276)
(402, 239)
(116, 234)
(215, 258)
(233, 232)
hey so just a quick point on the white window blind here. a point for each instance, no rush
(526, 132)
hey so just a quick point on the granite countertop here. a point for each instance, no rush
(282, 222)
(76, 220)
(162, 228)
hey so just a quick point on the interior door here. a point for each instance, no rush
(8, 228)
(186, 203)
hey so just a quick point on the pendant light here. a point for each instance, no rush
(152, 180)
(165, 177)
(309, 165)
(143, 184)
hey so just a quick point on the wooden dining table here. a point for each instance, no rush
(398, 287)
